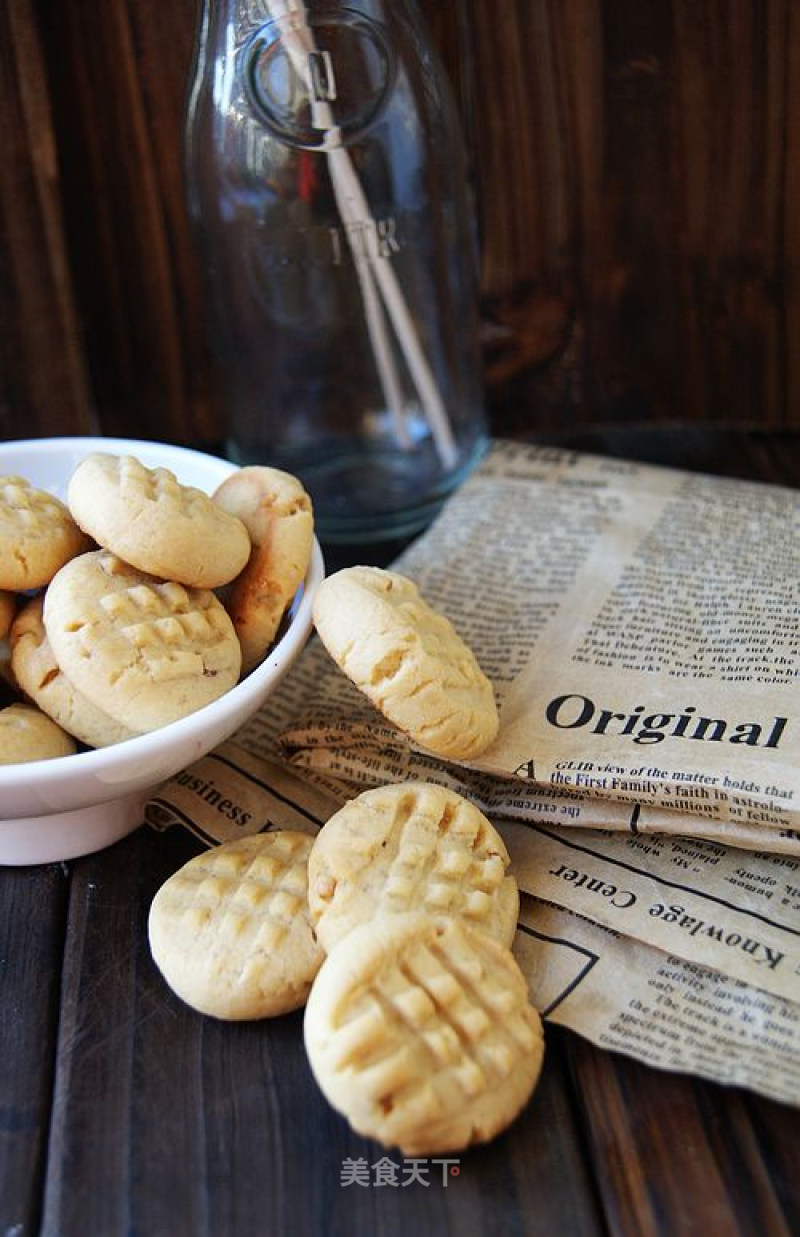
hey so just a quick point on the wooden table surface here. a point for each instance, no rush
(125, 1114)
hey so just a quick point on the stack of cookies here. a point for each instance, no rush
(395, 924)
(141, 600)
(418, 1027)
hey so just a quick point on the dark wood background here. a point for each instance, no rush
(637, 169)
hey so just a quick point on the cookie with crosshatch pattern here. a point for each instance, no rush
(145, 651)
(37, 535)
(420, 1032)
(152, 521)
(38, 674)
(407, 659)
(230, 932)
(410, 846)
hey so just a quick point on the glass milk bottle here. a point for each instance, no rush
(328, 188)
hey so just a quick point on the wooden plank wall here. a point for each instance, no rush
(637, 176)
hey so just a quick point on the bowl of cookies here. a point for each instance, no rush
(151, 598)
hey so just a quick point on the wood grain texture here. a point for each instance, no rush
(32, 923)
(167, 1122)
(123, 1113)
(43, 383)
(681, 1158)
(637, 176)
(119, 73)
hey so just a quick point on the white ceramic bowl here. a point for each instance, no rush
(58, 809)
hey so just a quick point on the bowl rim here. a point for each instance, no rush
(66, 770)
(101, 442)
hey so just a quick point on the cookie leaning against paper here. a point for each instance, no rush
(410, 846)
(276, 511)
(408, 659)
(37, 535)
(420, 1032)
(230, 932)
(152, 521)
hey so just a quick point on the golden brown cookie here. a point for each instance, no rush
(276, 511)
(37, 535)
(145, 651)
(407, 659)
(230, 930)
(40, 677)
(420, 1032)
(148, 519)
(27, 734)
(410, 846)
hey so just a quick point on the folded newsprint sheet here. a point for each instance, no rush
(640, 626)
(681, 953)
(657, 1007)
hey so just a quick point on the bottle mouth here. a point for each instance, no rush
(373, 494)
(335, 72)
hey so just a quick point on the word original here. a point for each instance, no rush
(389, 1172)
(572, 712)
